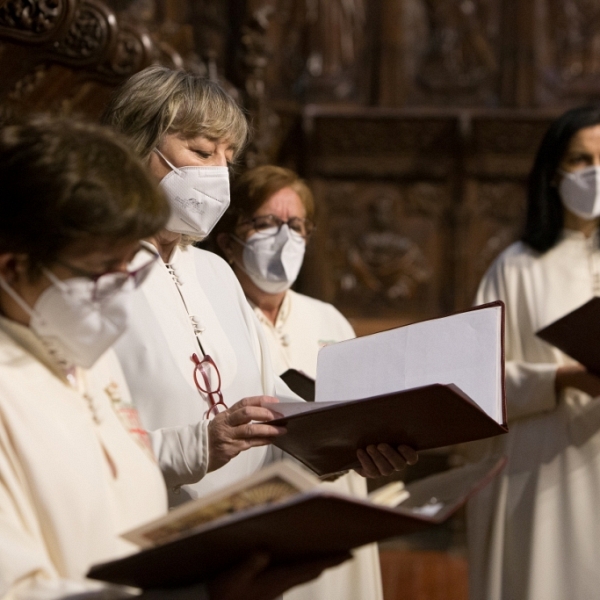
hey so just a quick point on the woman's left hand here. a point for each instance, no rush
(240, 427)
(381, 459)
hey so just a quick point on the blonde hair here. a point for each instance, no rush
(159, 100)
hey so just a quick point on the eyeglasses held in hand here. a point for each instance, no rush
(209, 383)
(264, 223)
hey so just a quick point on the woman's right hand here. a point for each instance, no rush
(256, 579)
(233, 431)
(578, 377)
(253, 579)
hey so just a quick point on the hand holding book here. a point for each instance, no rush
(578, 377)
(379, 460)
(577, 334)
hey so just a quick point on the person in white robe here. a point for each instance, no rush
(263, 236)
(75, 471)
(204, 415)
(535, 532)
(76, 467)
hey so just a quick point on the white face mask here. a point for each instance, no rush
(273, 261)
(75, 328)
(580, 192)
(198, 197)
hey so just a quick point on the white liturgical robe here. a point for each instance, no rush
(535, 532)
(194, 298)
(74, 470)
(303, 326)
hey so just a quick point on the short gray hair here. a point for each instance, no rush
(159, 100)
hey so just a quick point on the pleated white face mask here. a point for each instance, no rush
(74, 327)
(273, 261)
(198, 197)
(580, 192)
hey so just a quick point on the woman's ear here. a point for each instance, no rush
(225, 243)
(13, 267)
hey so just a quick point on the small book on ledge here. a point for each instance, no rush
(282, 510)
(578, 334)
(427, 385)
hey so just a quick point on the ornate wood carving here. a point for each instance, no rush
(460, 55)
(34, 21)
(82, 35)
(440, 52)
(254, 63)
(381, 247)
(568, 51)
(133, 51)
(414, 206)
(90, 37)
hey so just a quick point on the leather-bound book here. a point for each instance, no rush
(282, 511)
(578, 334)
(427, 385)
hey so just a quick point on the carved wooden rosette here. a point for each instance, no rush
(90, 39)
(134, 50)
(35, 22)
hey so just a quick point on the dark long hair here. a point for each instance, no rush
(545, 215)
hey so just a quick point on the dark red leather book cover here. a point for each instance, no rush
(310, 524)
(578, 334)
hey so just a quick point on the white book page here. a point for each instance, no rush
(463, 349)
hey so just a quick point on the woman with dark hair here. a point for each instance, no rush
(76, 468)
(534, 533)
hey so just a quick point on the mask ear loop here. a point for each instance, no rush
(15, 296)
(173, 167)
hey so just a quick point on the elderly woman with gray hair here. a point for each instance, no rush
(194, 355)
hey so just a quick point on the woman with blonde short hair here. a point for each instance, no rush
(194, 355)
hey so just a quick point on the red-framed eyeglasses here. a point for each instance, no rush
(210, 383)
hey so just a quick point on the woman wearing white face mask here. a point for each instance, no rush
(264, 236)
(194, 356)
(76, 468)
(534, 533)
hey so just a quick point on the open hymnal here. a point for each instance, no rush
(430, 384)
(282, 510)
(577, 334)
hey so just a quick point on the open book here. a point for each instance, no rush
(281, 510)
(430, 384)
(578, 334)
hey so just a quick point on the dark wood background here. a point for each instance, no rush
(415, 122)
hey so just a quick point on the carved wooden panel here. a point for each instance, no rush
(415, 206)
(380, 142)
(380, 247)
(440, 52)
(567, 47)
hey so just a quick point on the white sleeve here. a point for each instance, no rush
(529, 385)
(182, 453)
